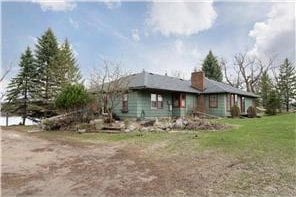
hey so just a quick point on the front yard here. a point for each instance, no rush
(257, 157)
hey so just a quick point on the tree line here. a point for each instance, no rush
(43, 73)
(253, 74)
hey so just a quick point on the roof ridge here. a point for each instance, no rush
(165, 76)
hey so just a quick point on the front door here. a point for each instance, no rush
(179, 104)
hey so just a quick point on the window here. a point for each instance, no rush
(124, 103)
(156, 101)
(176, 100)
(179, 100)
(159, 101)
(183, 100)
(213, 101)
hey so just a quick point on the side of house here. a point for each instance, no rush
(155, 103)
(151, 95)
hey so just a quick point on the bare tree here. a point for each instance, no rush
(232, 78)
(4, 72)
(110, 84)
(247, 71)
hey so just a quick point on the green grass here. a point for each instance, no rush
(267, 137)
(259, 137)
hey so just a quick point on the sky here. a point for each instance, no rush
(164, 37)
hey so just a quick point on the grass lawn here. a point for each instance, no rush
(259, 137)
(261, 152)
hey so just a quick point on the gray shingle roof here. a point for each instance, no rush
(145, 80)
(212, 86)
(160, 82)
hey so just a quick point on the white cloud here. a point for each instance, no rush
(175, 56)
(135, 35)
(56, 5)
(73, 23)
(112, 4)
(275, 35)
(181, 18)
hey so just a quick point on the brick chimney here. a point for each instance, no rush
(198, 80)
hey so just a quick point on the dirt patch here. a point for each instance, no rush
(37, 167)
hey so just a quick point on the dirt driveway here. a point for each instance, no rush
(33, 166)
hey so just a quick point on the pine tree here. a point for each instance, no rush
(265, 88)
(287, 83)
(272, 103)
(22, 88)
(70, 73)
(48, 68)
(212, 68)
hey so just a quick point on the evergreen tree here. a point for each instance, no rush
(272, 103)
(22, 88)
(287, 83)
(212, 68)
(265, 88)
(70, 73)
(47, 52)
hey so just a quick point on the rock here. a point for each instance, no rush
(147, 123)
(81, 131)
(117, 125)
(144, 129)
(134, 126)
(179, 124)
(128, 130)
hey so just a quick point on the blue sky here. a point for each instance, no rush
(157, 37)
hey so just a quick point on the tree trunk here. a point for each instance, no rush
(24, 120)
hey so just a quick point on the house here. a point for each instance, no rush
(153, 95)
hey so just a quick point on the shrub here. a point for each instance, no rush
(235, 111)
(252, 112)
(72, 97)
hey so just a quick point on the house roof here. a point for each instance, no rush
(212, 86)
(145, 80)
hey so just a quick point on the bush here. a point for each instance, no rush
(252, 112)
(235, 111)
(72, 97)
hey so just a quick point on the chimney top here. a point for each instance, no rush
(198, 80)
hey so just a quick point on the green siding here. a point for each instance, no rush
(144, 105)
(139, 105)
(220, 110)
(248, 102)
(191, 103)
(132, 106)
